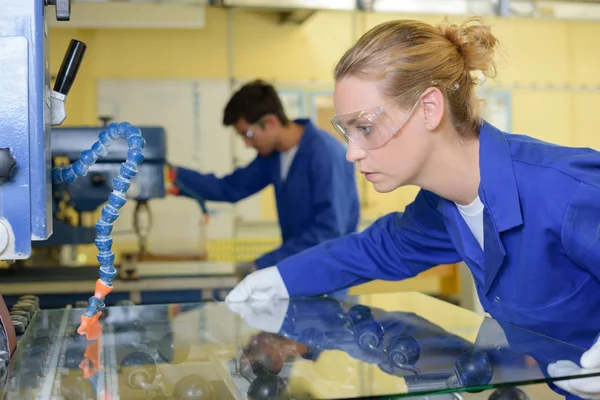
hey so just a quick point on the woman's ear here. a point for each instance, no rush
(433, 108)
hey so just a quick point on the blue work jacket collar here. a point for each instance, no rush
(498, 185)
(307, 135)
(499, 194)
(309, 130)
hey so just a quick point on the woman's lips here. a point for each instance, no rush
(369, 175)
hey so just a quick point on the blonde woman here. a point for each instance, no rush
(523, 214)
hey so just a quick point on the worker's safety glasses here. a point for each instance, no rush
(250, 132)
(369, 129)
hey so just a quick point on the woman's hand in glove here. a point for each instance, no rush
(264, 284)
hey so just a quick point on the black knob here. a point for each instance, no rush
(403, 349)
(69, 67)
(63, 9)
(474, 369)
(272, 387)
(7, 164)
(139, 367)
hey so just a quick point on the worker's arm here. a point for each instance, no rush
(581, 241)
(581, 229)
(329, 185)
(348, 330)
(242, 183)
(395, 247)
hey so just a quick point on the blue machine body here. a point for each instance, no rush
(90, 192)
(30, 112)
(25, 197)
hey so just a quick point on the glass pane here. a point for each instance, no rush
(376, 345)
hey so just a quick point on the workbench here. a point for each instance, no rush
(392, 345)
(156, 283)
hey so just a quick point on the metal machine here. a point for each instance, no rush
(35, 188)
(51, 178)
(34, 200)
(27, 110)
(74, 201)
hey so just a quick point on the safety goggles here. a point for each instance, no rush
(371, 128)
(250, 133)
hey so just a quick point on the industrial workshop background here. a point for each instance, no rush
(174, 65)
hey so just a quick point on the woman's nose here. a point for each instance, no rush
(354, 153)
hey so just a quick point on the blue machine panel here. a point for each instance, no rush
(15, 220)
(90, 192)
(25, 198)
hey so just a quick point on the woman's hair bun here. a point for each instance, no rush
(475, 43)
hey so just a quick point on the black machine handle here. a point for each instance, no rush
(7, 164)
(69, 67)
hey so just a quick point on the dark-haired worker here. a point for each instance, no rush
(315, 186)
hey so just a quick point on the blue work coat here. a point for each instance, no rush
(540, 268)
(317, 201)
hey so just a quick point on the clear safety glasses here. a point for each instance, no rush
(371, 128)
(250, 133)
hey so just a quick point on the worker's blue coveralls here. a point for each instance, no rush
(325, 324)
(541, 265)
(317, 201)
(371, 335)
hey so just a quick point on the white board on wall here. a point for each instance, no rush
(188, 110)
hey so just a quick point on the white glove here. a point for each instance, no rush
(264, 284)
(586, 388)
(266, 316)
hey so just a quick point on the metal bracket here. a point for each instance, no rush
(297, 17)
(63, 9)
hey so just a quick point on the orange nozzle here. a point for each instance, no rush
(174, 310)
(87, 369)
(94, 331)
(87, 322)
(92, 353)
(101, 290)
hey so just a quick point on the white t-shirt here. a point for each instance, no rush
(473, 216)
(286, 158)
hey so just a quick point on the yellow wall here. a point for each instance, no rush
(537, 53)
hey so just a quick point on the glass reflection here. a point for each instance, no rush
(296, 349)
